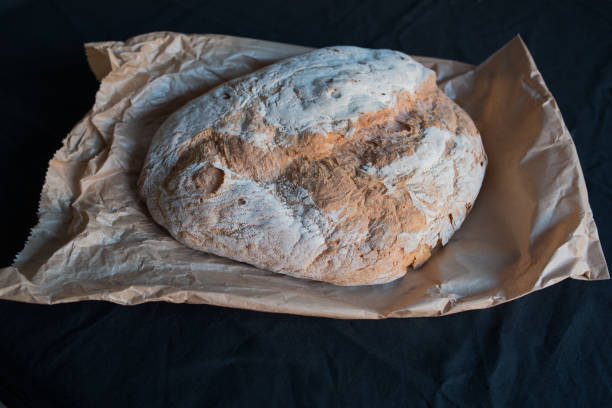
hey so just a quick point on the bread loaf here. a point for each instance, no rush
(345, 165)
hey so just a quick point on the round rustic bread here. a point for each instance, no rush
(345, 165)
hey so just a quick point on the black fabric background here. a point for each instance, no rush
(551, 348)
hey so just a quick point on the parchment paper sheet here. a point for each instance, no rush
(531, 225)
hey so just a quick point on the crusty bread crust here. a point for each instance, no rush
(344, 165)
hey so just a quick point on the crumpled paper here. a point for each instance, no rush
(531, 225)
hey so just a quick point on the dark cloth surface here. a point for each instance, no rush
(551, 348)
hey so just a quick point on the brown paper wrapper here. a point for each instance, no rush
(531, 225)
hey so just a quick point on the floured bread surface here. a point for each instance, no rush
(345, 165)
